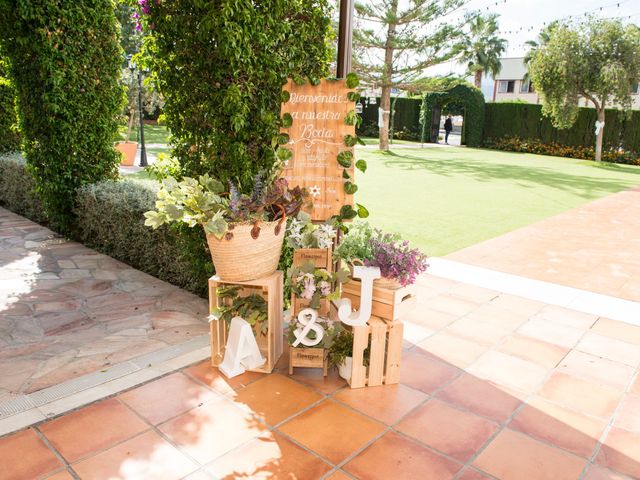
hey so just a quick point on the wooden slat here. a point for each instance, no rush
(394, 353)
(320, 257)
(383, 310)
(359, 371)
(377, 352)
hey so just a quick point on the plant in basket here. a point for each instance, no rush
(244, 231)
(315, 284)
(399, 263)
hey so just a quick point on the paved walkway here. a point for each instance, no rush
(66, 310)
(492, 386)
(594, 247)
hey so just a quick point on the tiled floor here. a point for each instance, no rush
(595, 247)
(526, 391)
(66, 310)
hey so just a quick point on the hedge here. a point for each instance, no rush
(65, 60)
(526, 122)
(9, 137)
(17, 188)
(406, 119)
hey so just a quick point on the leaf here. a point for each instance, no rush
(361, 165)
(352, 80)
(360, 141)
(284, 154)
(217, 225)
(287, 120)
(283, 138)
(353, 96)
(255, 231)
(350, 140)
(345, 159)
(314, 81)
(350, 188)
(347, 212)
(345, 174)
(284, 96)
(362, 211)
(153, 219)
(351, 118)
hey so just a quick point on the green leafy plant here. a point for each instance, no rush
(303, 233)
(342, 347)
(65, 61)
(251, 308)
(9, 136)
(316, 284)
(356, 245)
(345, 158)
(205, 202)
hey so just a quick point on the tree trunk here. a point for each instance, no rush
(385, 104)
(600, 134)
(387, 77)
(478, 79)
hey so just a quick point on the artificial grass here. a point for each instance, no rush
(445, 199)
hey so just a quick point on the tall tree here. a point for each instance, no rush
(598, 60)
(539, 42)
(396, 43)
(482, 47)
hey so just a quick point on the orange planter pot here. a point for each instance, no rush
(128, 150)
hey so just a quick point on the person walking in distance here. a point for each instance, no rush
(448, 126)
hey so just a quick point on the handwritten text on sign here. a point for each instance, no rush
(316, 137)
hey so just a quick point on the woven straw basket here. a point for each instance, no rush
(243, 258)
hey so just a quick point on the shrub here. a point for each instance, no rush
(65, 61)
(110, 219)
(220, 67)
(17, 188)
(517, 144)
(9, 137)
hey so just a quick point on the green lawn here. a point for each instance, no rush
(444, 199)
(152, 134)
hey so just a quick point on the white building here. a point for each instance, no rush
(510, 85)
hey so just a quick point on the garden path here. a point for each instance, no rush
(594, 247)
(66, 310)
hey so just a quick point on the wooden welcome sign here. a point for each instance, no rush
(316, 137)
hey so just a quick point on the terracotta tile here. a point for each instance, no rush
(510, 371)
(565, 316)
(147, 456)
(515, 456)
(470, 474)
(629, 414)
(209, 431)
(323, 430)
(618, 330)
(447, 429)
(199, 475)
(63, 475)
(163, 399)
(596, 369)
(395, 456)
(312, 377)
(516, 304)
(543, 353)
(581, 395)
(387, 403)
(423, 373)
(551, 332)
(596, 472)
(635, 388)
(564, 428)
(429, 318)
(481, 397)
(481, 332)
(453, 349)
(610, 348)
(212, 377)
(275, 398)
(24, 455)
(452, 305)
(338, 475)
(473, 293)
(92, 429)
(269, 456)
(621, 452)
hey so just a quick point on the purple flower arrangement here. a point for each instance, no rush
(395, 258)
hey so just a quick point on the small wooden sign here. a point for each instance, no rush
(308, 358)
(316, 137)
(320, 257)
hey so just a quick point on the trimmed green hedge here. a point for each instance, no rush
(527, 122)
(406, 121)
(9, 137)
(17, 188)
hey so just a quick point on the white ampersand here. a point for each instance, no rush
(307, 318)
(366, 275)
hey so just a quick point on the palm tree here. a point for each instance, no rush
(482, 47)
(534, 45)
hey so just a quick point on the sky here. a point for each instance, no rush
(521, 20)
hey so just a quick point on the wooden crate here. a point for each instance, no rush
(388, 303)
(385, 340)
(321, 258)
(309, 358)
(271, 345)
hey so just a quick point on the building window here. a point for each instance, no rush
(526, 87)
(506, 86)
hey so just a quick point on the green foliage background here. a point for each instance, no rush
(221, 67)
(65, 61)
(527, 121)
(9, 136)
